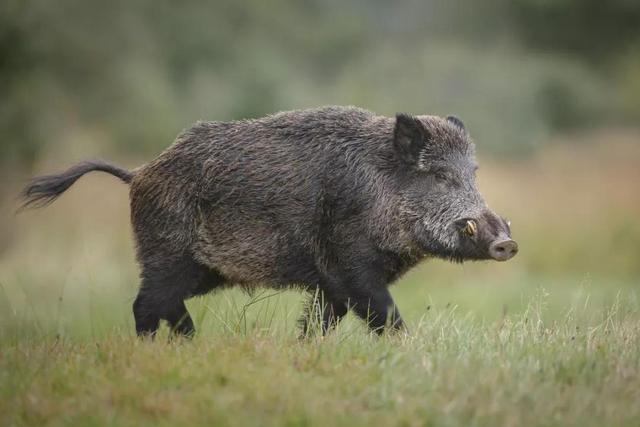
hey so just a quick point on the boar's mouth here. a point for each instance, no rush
(470, 239)
(479, 241)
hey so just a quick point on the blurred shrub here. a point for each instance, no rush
(20, 142)
(510, 101)
(593, 29)
(140, 71)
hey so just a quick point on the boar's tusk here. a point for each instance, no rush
(471, 228)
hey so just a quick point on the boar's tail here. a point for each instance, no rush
(43, 190)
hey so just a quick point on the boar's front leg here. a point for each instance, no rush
(376, 307)
(359, 280)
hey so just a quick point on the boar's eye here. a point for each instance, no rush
(444, 177)
(440, 176)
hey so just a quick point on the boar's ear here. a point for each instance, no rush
(409, 137)
(457, 123)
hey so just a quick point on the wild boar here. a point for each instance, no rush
(334, 200)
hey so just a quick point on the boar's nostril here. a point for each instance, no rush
(503, 250)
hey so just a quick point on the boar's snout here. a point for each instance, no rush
(503, 250)
(487, 236)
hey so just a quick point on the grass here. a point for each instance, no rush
(549, 338)
(246, 367)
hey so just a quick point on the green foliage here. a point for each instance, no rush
(134, 74)
(593, 29)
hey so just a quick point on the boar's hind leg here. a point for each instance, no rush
(321, 311)
(166, 283)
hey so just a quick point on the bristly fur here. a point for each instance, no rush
(335, 200)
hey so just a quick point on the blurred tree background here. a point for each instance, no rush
(132, 74)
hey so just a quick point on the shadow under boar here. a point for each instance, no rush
(336, 200)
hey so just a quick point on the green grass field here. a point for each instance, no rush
(451, 369)
(549, 338)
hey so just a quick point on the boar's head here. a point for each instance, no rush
(440, 205)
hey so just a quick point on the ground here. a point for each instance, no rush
(451, 369)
